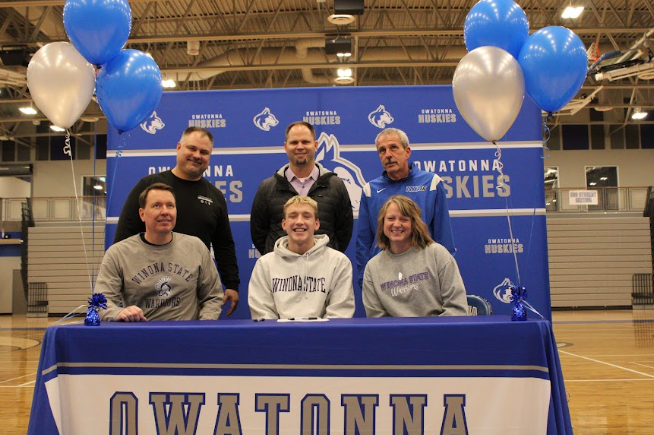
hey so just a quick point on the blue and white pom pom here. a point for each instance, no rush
(97, 301)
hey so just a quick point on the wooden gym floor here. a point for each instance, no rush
(607, 359)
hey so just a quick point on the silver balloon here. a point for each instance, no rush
(61, 82)
(489, 88)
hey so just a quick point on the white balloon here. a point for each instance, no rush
(61, 82)
(489, 89)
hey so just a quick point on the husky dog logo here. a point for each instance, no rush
(163, 287)
(380, 117)
(503, 291)
(152, 124)
(328, 154)
(265, 120)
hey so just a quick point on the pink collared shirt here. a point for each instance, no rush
(302, 186)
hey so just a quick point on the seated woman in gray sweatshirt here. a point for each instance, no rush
(413, 276)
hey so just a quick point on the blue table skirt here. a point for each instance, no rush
(481, 353)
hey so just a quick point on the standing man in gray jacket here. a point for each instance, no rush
(302, 176)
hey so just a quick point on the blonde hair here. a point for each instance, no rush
(299, 199)
(419, 233)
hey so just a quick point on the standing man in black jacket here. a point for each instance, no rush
(202, 209)
(302, 176)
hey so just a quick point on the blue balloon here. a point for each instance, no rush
(496, 23)
(128, 89)
(554, 62)
(98, 28)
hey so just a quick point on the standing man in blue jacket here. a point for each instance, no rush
(400, 178)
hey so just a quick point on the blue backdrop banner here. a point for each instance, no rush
(499, 228)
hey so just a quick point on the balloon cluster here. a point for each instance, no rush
(504, 62)
(62, 78)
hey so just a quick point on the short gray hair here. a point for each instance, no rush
(404, 139)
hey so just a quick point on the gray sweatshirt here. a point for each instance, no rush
(175, 281)
(416, 283)
(317, 283)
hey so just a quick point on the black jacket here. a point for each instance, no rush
(334, 209)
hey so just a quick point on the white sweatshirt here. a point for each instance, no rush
(287, 285)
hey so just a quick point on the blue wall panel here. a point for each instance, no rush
(249, 128)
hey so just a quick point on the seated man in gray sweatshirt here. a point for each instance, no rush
(158, 274)
(302, 277)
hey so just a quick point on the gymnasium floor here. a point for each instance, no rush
(607, 359)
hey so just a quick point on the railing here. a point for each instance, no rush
(610, 199)
(64, 209)
(57, 209)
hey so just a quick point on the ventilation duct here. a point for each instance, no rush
(307, 52)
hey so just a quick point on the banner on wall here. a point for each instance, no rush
(583, 197)
(493, 224)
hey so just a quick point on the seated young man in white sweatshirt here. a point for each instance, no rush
(302, 277)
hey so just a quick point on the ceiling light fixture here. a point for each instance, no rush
(572, 12)
(638, 114)
(193, 47)
(344, 76)
(28, 110)
(340, 19)
(168, 83)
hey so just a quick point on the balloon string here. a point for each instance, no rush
(119, 152)
(532, 309)
(546, 154)
(70, 315)
(533, 217)
(531, 235)
(95, 206)
(68, 151)
(515, 254)
(500, 166)
(502, 184)
(546, 150)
